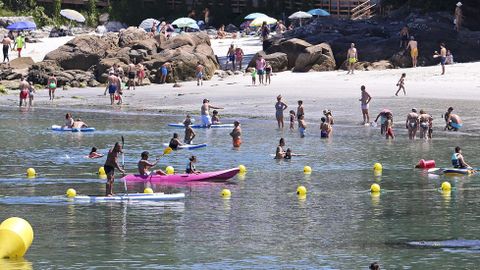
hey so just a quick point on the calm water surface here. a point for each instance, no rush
(264, 225)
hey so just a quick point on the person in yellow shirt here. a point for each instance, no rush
(20, 44)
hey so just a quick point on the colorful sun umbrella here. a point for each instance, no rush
(253, 16)
(19, 26)
(259, 21)
(148, 23)
(72, 15)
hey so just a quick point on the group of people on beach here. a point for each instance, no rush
(12, 43)
(27, 90)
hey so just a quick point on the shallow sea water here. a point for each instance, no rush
(264, 225)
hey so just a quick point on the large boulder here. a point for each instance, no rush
(291, 47)
(131, 35)
(278, 61)
(81, 52)
(317, 58)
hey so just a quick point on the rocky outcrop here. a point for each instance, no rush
(378, 39)
(92, 56)
(291, 47)
(315, 58)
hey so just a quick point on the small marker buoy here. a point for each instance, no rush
(242, 169)
(446, 186)
(225, 193)
(307, 170)
(101, 171)
(148, 190)
(169, 170)
(31, 172)
(374, 188)
(302, 191)
(71, 193)
(16, 236)
(377, 167)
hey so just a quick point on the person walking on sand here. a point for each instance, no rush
(164, 71)
(131, 73)
(112, 86)
(7, 45)
(280, 106)
(364, 103)
(458, 17)
(239, 57)
(205, 112)
(236, 134)
(401, 85)
(20, 44)
(352, 58)
(110, 165)
(260, 66)
(413, 45)
(52, 86)
(412, 124)
(268, 73)
(140, 73)
(230, 57)
(199, 73)
(442, 55)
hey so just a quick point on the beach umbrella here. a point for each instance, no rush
(72, 15)
(148, 23)
(300, 15)
(253, 16)
(185, 22)
(318, 12)
(259, 21)
(19, 26)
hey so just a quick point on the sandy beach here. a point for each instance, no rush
(334, 90)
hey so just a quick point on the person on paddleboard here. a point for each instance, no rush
(110, 164)
(144, 165)
(191, 166)
(68, 121)
(79, 124)
(458, 161)
(205, 112)
(175, 142)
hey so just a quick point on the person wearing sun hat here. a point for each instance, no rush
(458, 17)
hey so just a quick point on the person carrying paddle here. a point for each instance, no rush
(144, 165)
(110, 164)
(457, 159)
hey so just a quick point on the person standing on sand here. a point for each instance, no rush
(110, 165)
(231, 57)
(20, 44)
(280, 106)
(239, 57)
(140, 73)
(164, 70)
(412, 124)
(364, 102)
(413, 45)
(199, 73)
(458, 17)
(131, 73)
(236, 134)
(401, 85)
(352, 58)
(260, 66)
(24, 86)
(52, 86)
(442, 55)
(205, 112)
(268, 73)
(112, 86)
(7, 45)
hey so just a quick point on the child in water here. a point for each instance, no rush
(292, 120)
(94, 154)
(288, 154)
(254, 76)
(302, 126)
(191, 166)
(215, 118)
(401, 85)
(389, 126)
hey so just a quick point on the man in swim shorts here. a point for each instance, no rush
(413, 45)
(352, 58)
(412, 124)
(24, 91)
(199, 73)
(132, 73)
(164, 70)
(7, 44)
(144, 165)
(205, 112)
(364, 104)
(442, 55)
(110, 164)
(112, 86)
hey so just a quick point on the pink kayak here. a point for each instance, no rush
(219, 176)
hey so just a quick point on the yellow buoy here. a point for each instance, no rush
(242, 168)
(302, 197)
(307, 170)
(71, 193)
(148, 190)
(377, 173)
(16, 236)
(375, 188)
(31, 172)
(101, 171)
(225, 193)
(302, 191)
(377, 167)
(446, 186)
(170, 170)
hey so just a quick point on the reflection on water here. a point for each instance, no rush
(339, 225)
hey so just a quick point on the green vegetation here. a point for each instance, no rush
(3, 90)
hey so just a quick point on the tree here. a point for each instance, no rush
(92, 13)
(57, 6)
